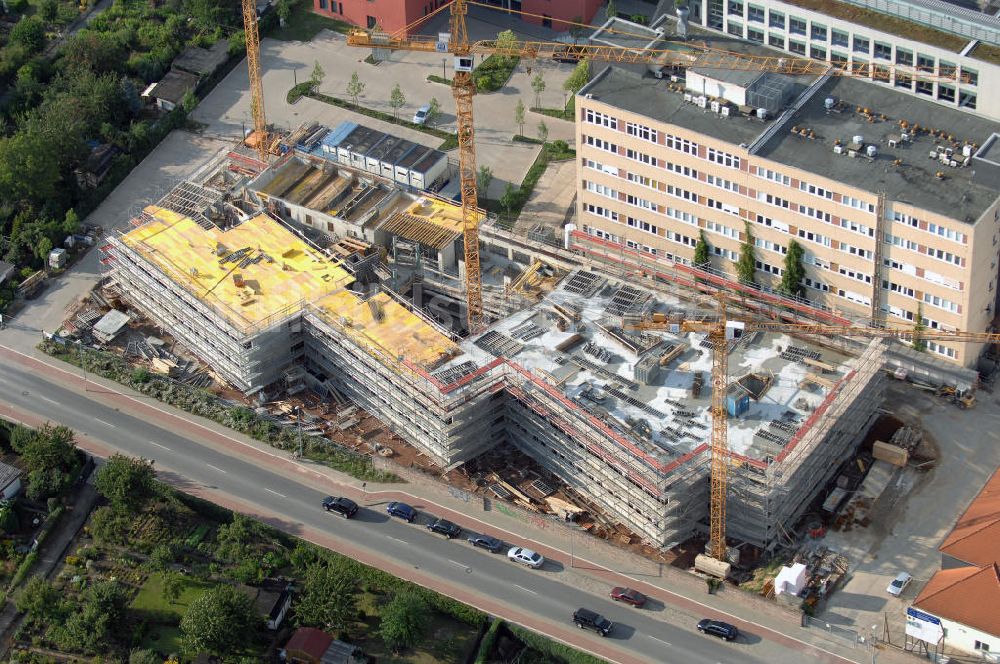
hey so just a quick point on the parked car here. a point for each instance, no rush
(526, 557)
(445, 527)
(628, 596)
(567, 54)
(587, 619)
(718, 628)
(345, 507)
(402, 511)
(487, 542)
(420, 117)
(899, 584)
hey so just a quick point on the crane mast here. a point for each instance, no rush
(256, 86)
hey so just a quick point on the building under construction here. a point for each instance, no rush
(621, 416)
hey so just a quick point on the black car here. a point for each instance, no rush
(587, 619)
(718, 628)
(445, 527)
(345, 507)
(567, 54)
(486, 542)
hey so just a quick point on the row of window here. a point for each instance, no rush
(932, 228)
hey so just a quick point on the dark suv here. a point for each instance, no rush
(345, 507)
(444, 527)
(587, 619)
(718, 628)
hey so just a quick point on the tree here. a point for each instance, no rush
(396, 100)
(543, 131)
(327, 600)
(701, 251)
(219, 621)
(519, 116)
(483, 179)
(48, 9)
(92, 625)
(8, 517)
(579, 77)
(108, 526)
(355, 87)
(404, 620)
(317, 75)
(161, 557)
(538, 85)
(509, 198)
(189, 102)
(142, 656)
(284, 10)
(235, 540)
(40, 601)
(173, 586)
(611, 9)
(794, 273)
(746, 266)
(128, 483)
(43, 248)
(507, 41)
(29, 32)
(433, 111)
(918, 343)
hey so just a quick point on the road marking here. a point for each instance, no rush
(458, 564)
(280, 495)
(397, 539)
(660, 640)
(527, 590)
(153, 442)
(44, 398)
(113, 426)
(216, 468)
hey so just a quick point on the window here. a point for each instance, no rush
(925, 88)
(903, 81)
(598, 166)
(593, 117)
(640, 202)
(883, 51)
(860, 67)
(641, 157)
(722, 183)
(775, 40)
(967, 100)
(773, 200)
(643, 180)
(857, 204)
(839, 38)
(725, 231)
(723, 158)
(946, 93)
(773, 176)
(640, 131)
(770, 269)
(797, 26)
(680, 215)
(686, 171)
(642, 225)
(755, 14)
(601, 189)
(947, 69)
(935, 347)
(682, 193)
(601, 211)
(818, 32)
(736, 7)
(322, 4)
(925, 63)
(371, 22)
(861, 44)
(980, 645)
(601, 144)
(816, 191)
(309, 220)
(970, 76)
(735, 28)
(682, 144)
(817, 52)
(838, 59)
(904, 57)
(796, 47)
(776, 19)
(546, 21)
(756, 36)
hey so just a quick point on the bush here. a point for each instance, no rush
(23, 569)
(494, 72)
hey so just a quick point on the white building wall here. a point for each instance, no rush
(969, 639)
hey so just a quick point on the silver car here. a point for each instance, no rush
(526, 557)
(899, 584)
(420, 117)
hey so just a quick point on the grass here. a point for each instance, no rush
(447, 641)
(434, 78)
(163, 638)
(568, 113)
(304, 24)
(151, 600)
(494, 72)
(554, 151)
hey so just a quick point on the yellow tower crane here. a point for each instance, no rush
(463, 88)
(720, 331)
(250, 21)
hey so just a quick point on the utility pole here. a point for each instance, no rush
(83, 360)
(298, 422)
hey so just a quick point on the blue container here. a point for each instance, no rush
(737, 403)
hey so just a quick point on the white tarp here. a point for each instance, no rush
(790, 579)
(923, 626)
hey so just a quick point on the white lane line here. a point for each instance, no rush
(152, 442)
(397, 539)
(109, 424)
(280, 495)
(527, 590)
(458, 564)
(660, 640)
(45, 398)
(216, 468)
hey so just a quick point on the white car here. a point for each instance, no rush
(420, 117)
(526, 557)
(899, 584)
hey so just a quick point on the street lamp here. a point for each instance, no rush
(444, 72)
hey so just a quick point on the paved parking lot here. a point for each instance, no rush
(920, 511)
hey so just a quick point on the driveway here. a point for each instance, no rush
(919, 511)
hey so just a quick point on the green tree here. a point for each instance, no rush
(327, 600)
(794, 272)
(579, 77)
(543, 131)
(317, 75)
(48, 9)
(509, 199)
(396, 100)
(538, 85)
(40, 601)
(404, 620)
(43, 248)
(71, 222)
(507, 43)
(142, 656)
(161, 557)
(284, 10)
(919, 343)
(702, 253)
(173, 586)
(128, 483)
(434, 111)
(746, 266)
(611, 9)
(219, 621)
(355, 87)
(8, 517)
(94, 623)
(29, 32)
(519, 116)
(189, 102)
(108, 526)
(236, 540)
(484, 176)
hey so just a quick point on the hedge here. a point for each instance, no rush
(494, 72)
(486, 646)
(553, 649)
(23, 569)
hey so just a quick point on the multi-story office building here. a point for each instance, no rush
(844, 163)
(966, 70)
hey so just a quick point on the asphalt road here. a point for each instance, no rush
(638, 635)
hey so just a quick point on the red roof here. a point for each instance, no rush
(964, 595)
(976, 536)
(309, 640)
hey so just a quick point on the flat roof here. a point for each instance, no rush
(387, 325)
(913, 181)
(625, 34)
(282, 273)
(432, 222)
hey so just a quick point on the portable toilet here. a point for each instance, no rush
(57, 258)
(737, 402)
